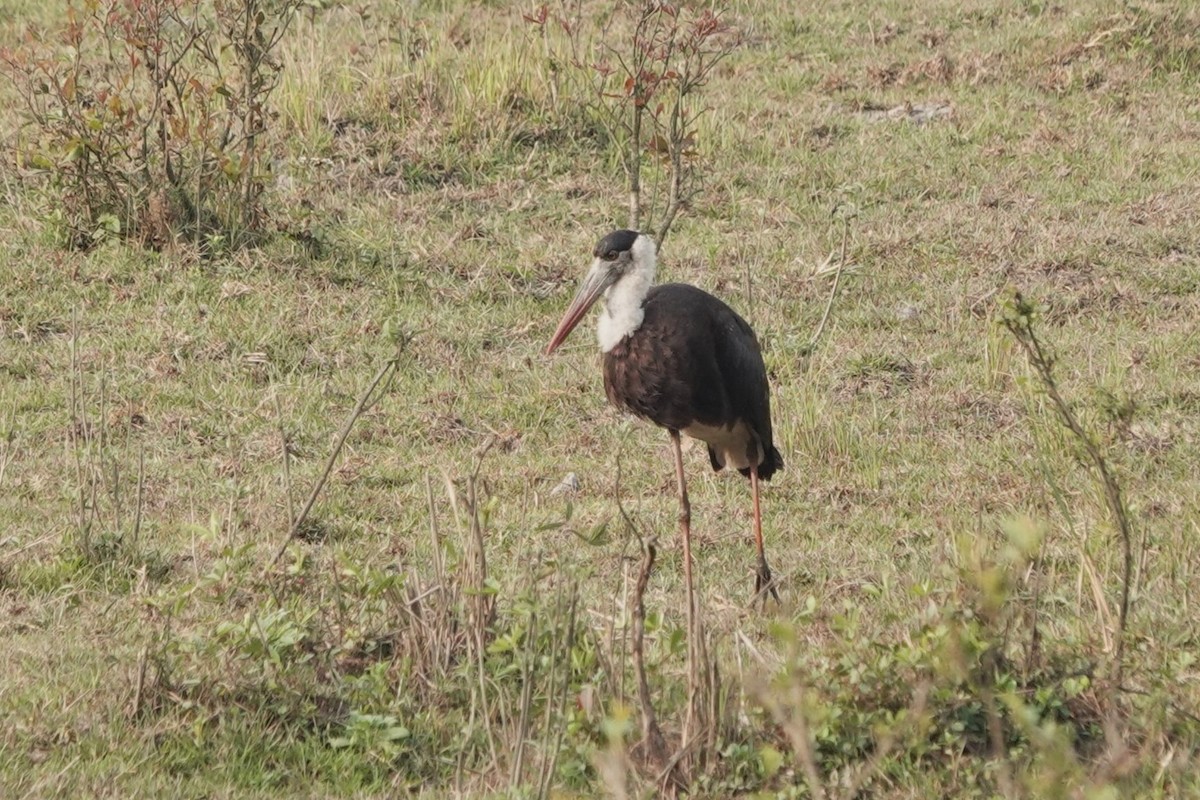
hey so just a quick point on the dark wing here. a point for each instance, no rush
(693, 359)
(745, 379)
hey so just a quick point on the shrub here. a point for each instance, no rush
(150, 117)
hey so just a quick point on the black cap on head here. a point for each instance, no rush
(618, 241)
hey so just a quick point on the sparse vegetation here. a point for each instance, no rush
(639, 70)
(965, 614)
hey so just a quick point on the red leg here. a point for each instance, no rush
(685, 523)
(763, 582)
(693, 610)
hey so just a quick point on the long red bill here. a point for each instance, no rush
(593, 286)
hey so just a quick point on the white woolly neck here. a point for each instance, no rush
(624, 301)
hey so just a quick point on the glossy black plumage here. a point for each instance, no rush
(694, 360)
(686, 361)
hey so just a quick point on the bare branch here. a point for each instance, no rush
(1018, 318)
(365, 400)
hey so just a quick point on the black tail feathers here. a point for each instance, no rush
(773, 462)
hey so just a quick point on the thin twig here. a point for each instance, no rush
(80, 442)
(995, 729)
(518, 758)
(837, 277)
(7, 452)
(365, 400)
(435, 537)
(1018, 319)
(796, 728)
(139, 686)
(653, 743)
(651, 733)
(141, 494)
(287, 462)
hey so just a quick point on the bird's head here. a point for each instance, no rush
(621, 258)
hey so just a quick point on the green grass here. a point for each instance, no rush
(447, 221)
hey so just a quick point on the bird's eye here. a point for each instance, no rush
(611, 255)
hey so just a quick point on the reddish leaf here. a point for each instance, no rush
(539, 16)
(706, 25)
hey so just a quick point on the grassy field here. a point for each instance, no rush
(950, 573)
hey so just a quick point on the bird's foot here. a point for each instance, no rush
(764, 584)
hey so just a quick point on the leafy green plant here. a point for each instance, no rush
(274, 639)
(953, 685)
(378, 736)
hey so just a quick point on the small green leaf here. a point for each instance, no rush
(770, 759)
(597, 536)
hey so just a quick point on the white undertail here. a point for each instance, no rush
(623, 301)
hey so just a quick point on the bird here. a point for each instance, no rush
(683, 359)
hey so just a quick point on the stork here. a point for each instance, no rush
(681, 358)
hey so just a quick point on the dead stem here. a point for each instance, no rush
(365, 401)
